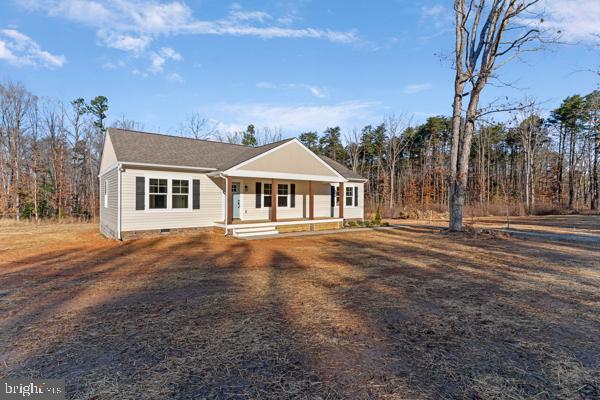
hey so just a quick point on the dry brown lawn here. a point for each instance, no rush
(391, 314)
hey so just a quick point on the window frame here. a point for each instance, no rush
(265, 195)
(287, 196)
(351, 197)
(170, 178)
(173, 194)
(149, 194)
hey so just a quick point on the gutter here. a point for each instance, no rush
(137, 164)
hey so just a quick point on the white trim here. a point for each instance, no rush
(262, 194)
(288, 195)
(169, 177)
(278, 223)
(353, 197)
(283, 176)
(107, 170)
(136, 164)
(294, 140)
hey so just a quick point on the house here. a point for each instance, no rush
(152, 182)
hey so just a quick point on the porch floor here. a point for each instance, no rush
(263, 221)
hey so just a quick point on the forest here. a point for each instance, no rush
(532, 162)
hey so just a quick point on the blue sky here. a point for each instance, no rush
(295, 65)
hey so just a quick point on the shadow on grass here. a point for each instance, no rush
(397, 314)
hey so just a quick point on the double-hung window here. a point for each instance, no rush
(337, 195)
(157, 193)
(180, 189)
(283, 195)
(267, 195)
(349, 196)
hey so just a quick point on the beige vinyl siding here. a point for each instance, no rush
(291, 158)
(355, 212)
(109, 215)
(109, 158)
(211, 203)
(248, 210)
(323, 200)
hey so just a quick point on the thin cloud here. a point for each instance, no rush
(576, 20)
(132, 26)
(175, 77)
(312, 89)
(297, 118)
(158, 59)
(439, 16)
(19, 49)
(417, 88)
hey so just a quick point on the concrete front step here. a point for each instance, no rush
(255, 231)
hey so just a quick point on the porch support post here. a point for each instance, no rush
(311, 200)
(273, 200)
(342, 199)
(229, 201)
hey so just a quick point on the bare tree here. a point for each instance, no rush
(198, 127)
(268, 135)
(353, 150)
(483, 34)
(530, 130)
(15, 104)
(395, 145)
(126, 123)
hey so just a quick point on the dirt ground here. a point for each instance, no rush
(402, 313)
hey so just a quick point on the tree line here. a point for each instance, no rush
(50, 155)
(531, 162)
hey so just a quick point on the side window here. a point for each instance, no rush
(157, 193)
(180, 193)
(349, 194)
(282, 195)
(105, 193)
(267, 195)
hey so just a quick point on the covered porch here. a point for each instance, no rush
(258, 205)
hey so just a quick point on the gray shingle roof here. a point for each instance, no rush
(341, 169)
(155, 148)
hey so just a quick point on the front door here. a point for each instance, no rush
(235, 191)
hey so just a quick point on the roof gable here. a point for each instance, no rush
(288, 158)
(109, 158)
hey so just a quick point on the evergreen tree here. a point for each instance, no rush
(249, 137)
(98, 107)
(310, 140)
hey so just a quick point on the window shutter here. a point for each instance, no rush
(258, 194)
(196, 194)
(140, 188)
(332, 196)
(355, 196)
(293, 195)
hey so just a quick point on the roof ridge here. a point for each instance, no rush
(200, 140)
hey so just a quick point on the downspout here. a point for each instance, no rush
(220, 175)
(119, 171)
(225, 204)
